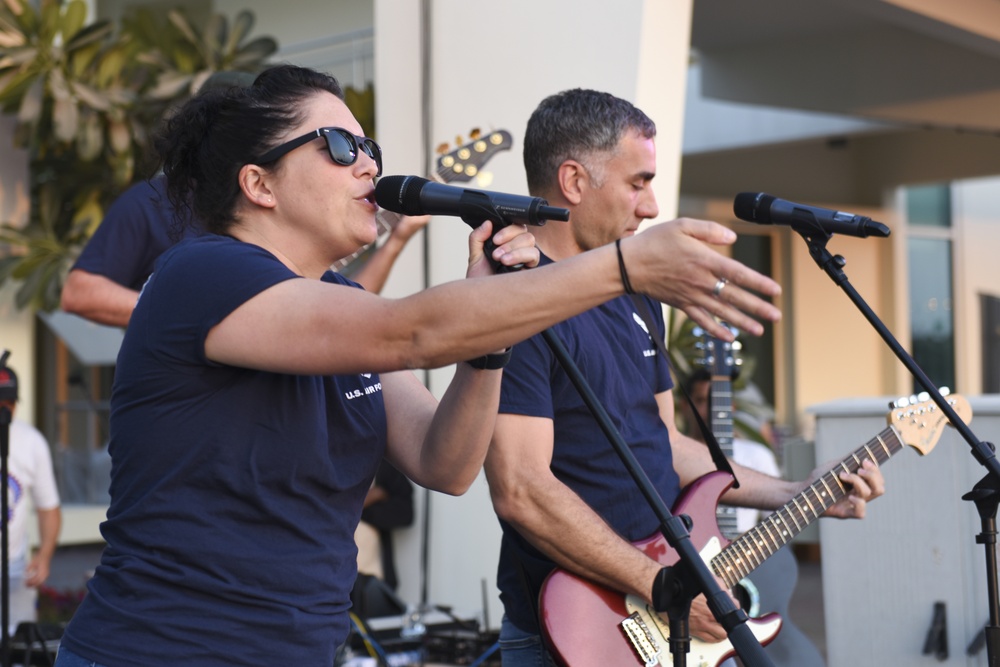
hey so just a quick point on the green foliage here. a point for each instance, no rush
(86, 98)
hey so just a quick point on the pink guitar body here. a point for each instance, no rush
(583, 621)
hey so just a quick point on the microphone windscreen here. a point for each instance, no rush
(753, 207)
(400, 194)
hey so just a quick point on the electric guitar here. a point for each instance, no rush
(587, 625)
(460, 165)
(721, 359)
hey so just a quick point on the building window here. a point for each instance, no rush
(929, 248)
(929, 205)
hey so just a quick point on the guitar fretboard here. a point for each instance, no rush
(721, 422)
(751, 549)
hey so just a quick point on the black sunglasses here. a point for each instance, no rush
(343, 147)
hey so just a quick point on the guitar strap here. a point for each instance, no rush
(720, 460)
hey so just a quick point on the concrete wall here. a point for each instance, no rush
(882, 576)
(489, 68)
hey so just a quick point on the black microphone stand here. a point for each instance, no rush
(5, 419)
(986, 493)
(690, 576)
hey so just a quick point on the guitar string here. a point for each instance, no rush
(753, 546)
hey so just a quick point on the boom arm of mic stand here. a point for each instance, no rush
(833, 266)
(691, 574)
(985, 494)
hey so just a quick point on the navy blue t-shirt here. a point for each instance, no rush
(136, 229)
(235, 493)
(619, 360)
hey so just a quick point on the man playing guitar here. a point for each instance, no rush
(563, 497)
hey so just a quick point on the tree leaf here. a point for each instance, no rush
(31, 103)
(72, 19)
(88, 215)
(58, 87)
(110, 68)
(214, 37)
(65, 118)
(254, 54)
(90, 137)
(187, 58)
(48, 27)
(15, 83)
(24, 14)
(198, 80)
(23, 58)
(7, 265)
(11, 36)
(34, 287)
(120, 136)
(91, 34)
(181, 23)
(242, 25)
(169, 85)
(91, 97)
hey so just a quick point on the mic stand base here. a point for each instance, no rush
(986, 496)
(983, 452)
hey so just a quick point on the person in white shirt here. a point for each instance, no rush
(29, 475)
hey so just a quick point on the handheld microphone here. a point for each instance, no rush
(412, 195)
(767, 210)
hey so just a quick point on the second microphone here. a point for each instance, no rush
(412, 195)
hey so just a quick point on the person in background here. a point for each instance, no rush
(746, 452)
(104, 282)
(256, 391)
(773, 582)
(30, 482)
(562, 495)
(388, 506)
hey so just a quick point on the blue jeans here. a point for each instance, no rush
(519, 648)
(67, 658)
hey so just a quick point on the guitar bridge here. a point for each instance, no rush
(641, 639)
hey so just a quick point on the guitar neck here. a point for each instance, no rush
(721, 417)
(751, 549)
(721, 423)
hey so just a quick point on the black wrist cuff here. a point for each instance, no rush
(490, 362)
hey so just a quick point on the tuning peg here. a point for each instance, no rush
(475, 133)
(913, 399)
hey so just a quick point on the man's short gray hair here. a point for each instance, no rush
(578, 124)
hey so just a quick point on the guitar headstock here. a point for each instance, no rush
(720, 357)
(920, 422)
(465, 162)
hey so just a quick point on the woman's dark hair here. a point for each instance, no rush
(205, 144)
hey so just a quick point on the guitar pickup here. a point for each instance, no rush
(641, 639)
